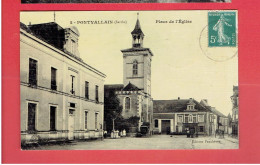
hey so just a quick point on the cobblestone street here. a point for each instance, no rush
(150, 143)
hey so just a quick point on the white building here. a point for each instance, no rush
(61, 95)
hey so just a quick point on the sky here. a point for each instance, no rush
(180, 65)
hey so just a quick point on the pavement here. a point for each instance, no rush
(233, 140)
(155, 142)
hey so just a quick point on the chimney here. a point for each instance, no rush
(71, 38)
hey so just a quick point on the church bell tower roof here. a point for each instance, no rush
(137, 29)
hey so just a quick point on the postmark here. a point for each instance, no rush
(217, 43)
(222, 29)
(217, 54)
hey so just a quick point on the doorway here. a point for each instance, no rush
(71, 124)
(166, 126)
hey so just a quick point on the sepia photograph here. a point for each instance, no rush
(125, 1)
(129, 80)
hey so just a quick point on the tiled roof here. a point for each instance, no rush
(115, 87)
(135, 49)
(24, 27)
(180, 105)
(163, 116)
(131, 87)
(137, 29)
(214, 110)
(29, 30)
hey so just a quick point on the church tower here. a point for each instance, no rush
(137, 62)
(135, 96)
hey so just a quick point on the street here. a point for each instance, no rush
(154, 142)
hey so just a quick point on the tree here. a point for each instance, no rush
(112, 110)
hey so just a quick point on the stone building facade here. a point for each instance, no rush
(222, 120)
(61, 96)
(178, 116)
(235, 119)
(135, 92)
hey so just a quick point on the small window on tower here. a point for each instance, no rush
(135, 68)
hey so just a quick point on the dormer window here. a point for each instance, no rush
(190, 107)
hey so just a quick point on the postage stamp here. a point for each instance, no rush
(222, 29)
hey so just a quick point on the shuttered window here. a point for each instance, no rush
(86, 90)
(97, 93)
(31, 124)
(32, 72)
(52, 118)
(53, 78)
(86, 120)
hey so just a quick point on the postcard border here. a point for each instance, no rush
(249, 90)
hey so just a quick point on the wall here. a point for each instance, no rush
(142, 80)
(174, 117)
(135, 108)
(47, 57)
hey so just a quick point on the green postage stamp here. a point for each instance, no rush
(222, 29)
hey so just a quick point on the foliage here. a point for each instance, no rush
(112, 110)
(133, 121)
(126, 124)
(146, 124)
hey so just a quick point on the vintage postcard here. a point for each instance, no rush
(124, 1)
(129, 80)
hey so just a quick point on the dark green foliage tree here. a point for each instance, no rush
(112, 111)
(133, 121)
(146, 124)
(113, 115)
(126, 124)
